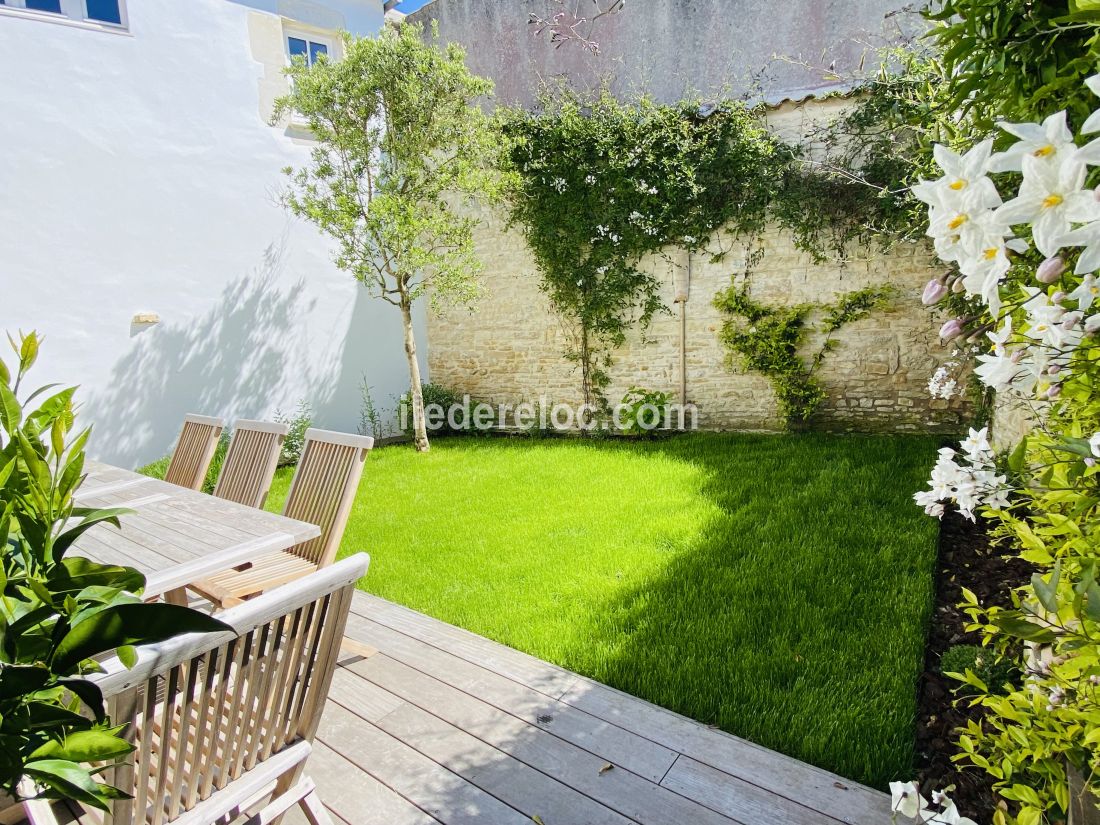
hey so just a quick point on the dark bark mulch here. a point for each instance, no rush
(966, 559)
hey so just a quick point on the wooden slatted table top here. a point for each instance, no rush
(175, 535)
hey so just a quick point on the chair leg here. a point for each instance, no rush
(314, 809)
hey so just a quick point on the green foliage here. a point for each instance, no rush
(602, 183)
(1018, 60)
(435, 394)
(778, 587)
(991, 669)
(299, 421)
(399, 147)
(767, 339)
(57, 610)
(643, 412)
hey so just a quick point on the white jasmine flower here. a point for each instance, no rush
(1051, 143)
(1094, 444)
(962, 174)
(590, 179)
(906, 800)
(976, 446)
(1050, 198)
(1092, 124)
(559, 184)
(1087, 236)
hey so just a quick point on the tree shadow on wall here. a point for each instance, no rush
(233, 360)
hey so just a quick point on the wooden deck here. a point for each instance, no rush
(443, 726)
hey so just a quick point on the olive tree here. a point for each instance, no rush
(401, 146)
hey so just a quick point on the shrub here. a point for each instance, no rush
(60, 612)
(295, 441)
(637, 417)
(993, 670)
(433, 394)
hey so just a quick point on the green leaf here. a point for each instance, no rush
(88, 693)
(67, 779)
(10, 411)
(21, 680)
(1018, 456)
(1013, 623)
(63, 542)
(76, 574)
(129, 624)
(86, 746)
(1048, 592)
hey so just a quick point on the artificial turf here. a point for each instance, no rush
(778, 587)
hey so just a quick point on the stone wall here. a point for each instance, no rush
(509, 350)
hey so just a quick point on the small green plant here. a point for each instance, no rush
(300, 421)
(994, 671)
(767, 340)
(58, 611)
(370, 420)
(433, 394)
(642, 412)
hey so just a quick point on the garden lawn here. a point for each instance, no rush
(778, 587)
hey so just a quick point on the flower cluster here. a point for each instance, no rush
(973, 228)
(970, 485)
(906, 801)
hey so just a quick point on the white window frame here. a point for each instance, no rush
(292, 28)
(328, 39)
(73, 13)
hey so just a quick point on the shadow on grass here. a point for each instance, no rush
(797, 617)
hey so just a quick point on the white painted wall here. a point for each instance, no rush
(137, 174)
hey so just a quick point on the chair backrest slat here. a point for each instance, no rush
(194, 451)
(323, 489)
(251, 461)
(206, 709)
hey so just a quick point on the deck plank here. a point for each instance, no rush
(616, 788)
(432, 788)
(355, 796)
(837, 799)
(611, 743)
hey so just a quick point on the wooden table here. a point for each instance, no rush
(175, 535)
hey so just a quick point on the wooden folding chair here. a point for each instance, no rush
(194, 451)
(251, 461)
(321, 493)
(223, 722)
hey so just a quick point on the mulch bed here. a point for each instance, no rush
(966, 559)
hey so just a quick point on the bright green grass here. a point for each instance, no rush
(776, 586)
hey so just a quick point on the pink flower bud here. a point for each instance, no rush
(1050, 270)
(951, 329)
(934, 291)
(1092, 324)
(1054, 391)
(1058, 297)
(1054, 369)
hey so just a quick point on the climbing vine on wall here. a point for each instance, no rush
(602, 183)
(767, 339)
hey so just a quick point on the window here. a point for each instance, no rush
(112, 13)
(311, 50)
(105, 11)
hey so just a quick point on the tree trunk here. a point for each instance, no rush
(416, 392)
